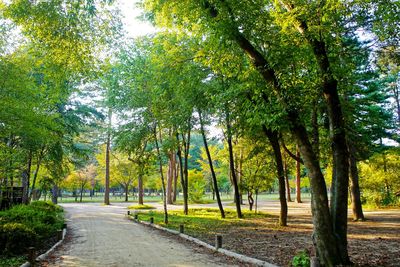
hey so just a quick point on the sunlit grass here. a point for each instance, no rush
(141, 207)
(201, 221)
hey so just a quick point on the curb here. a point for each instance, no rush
(228, 253)
(46, 254)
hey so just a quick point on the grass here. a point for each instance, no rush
(201, 221)
(201, 201)
(11, 262)
(141, 207)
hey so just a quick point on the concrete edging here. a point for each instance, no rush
(46, 254)
(229, 253)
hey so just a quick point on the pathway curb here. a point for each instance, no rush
(46, 254)
(229, 253)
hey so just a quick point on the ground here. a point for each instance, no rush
(101, 236)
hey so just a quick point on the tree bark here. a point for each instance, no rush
(356, 204)
(285, 170)
(107, 178)
(298, 177)
(140, 187)
(232, 164)
(170, 178)
(210, 163)
(126, 192)
(54, 194)
(274, 141)
(25, 180)
(38, 163)
(162, 176)
(183, 183)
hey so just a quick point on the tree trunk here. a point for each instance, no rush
(162, 176)
(54, 194)
(298, 176)
(251, 200)
(210, 163)
(170, 179)
(185, 169)
(356, 205)
(183, 183)
(126, 192)
(175, 179)
(274, 141)
(38, 163)
(232, 166)
(107, 178)
(25, 180)
(80, 200)
(285, 170)
(140, 187)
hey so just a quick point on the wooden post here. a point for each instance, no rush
(181, 228)
(151, 220)
(218, 241)
(136, 217)
(31, 255)
(129, 212)
(59, 235)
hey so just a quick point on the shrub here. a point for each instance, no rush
(15, 238)
(301, 259)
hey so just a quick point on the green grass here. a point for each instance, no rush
(141, 207)
(11, 262)
(202, 221)
(202, 201)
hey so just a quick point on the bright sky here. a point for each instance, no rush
(132, 24)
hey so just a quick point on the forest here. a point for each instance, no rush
(225, 99)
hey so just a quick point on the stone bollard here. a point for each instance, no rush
(59, 235)
(31, 255)
(181, 228)
(129, 212)
(151, 220)
(218, 241)
(136, 217)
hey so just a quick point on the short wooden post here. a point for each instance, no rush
(129, 212)
(64, 226)
(59, 234)
(136, 217)
(218, 241)
(31, 255)
(151, 220)
(181, 228)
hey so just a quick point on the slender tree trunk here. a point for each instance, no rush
(251, 200)
(298, 176)
(38, 163)
(356, 204)
(231, 164)
(107, 178)
(210, 163)
(183, 182)
(126, 192)
(162, 177)
(285, 170)
(140, 187)
(170, 179)
(175, 179)
(80, 200)
(54, 194)
(25, 180)
(274, 141)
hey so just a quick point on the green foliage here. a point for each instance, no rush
(26, 225)
(141, 207)
(197, 185)
(302, 259)
(12, 261)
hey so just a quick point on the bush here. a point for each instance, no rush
(28, 225)
(15, 238)
(302, 259)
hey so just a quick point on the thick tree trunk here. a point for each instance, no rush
(232, 165)
(54, 194)
(298, 177)
(274, 141)
(210, 163)
(356, 205)
(107, 178)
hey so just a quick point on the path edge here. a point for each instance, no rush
(225, 252)
(46, 254)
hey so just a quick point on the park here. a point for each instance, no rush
(199, 133)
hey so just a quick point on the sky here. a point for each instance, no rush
(133, 26)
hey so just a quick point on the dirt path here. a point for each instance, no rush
(102, 236)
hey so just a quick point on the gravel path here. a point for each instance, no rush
(102, 236)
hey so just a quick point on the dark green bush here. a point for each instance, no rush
(36, 222)
(15, 238)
